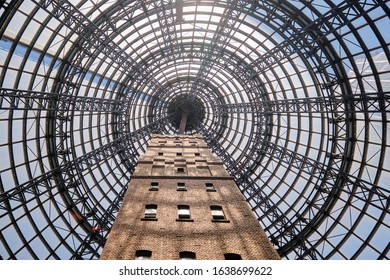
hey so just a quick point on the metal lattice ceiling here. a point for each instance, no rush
(292, 95)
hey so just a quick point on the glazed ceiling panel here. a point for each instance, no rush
(292, 95)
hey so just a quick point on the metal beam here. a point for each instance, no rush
(81, 163)
(179, 11)
(63, 180)
(221, 36)
(331, 182)
(93, 39)
(16, 99)
(166, 17)
(225, 60)
(368, 102)
(247, 184)
(280, 106)
(218, 43)
(307, 37)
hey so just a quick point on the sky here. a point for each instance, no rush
(102, 81)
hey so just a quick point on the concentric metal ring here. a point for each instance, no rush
(292, 95)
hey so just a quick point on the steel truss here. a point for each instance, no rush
(225, 60)
(248, 185)
(306, 36)
(295, 101)
(215, 56)
(164, 10)
(368, 102)
(33, 100)
(74, 196)
(92, 39)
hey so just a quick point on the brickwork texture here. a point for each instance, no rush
(181, 170)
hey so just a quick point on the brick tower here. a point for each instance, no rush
(182, 204)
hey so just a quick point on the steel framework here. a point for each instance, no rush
(293, 96)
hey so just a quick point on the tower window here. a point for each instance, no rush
(231, 256)
(210, 187)
(187, 255)
(153, 186)
(183, 212)
(160, 154)
(179, 154)
(181, 187)
(193, 143)
(180, 170)
(150, 211)
(197, 154)
(143, 255)
(217, 212)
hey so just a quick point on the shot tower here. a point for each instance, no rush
(182, 204)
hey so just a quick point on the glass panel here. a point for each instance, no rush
(184, 211)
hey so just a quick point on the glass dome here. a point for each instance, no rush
(293, 96)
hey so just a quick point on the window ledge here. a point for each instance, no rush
(184, 220)
(220, 221)
(149, 219)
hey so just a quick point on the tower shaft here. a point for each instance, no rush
(183, 123)
(181, 203)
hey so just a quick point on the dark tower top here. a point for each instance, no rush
(191, 108)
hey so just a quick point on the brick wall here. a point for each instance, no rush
(166, 235)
